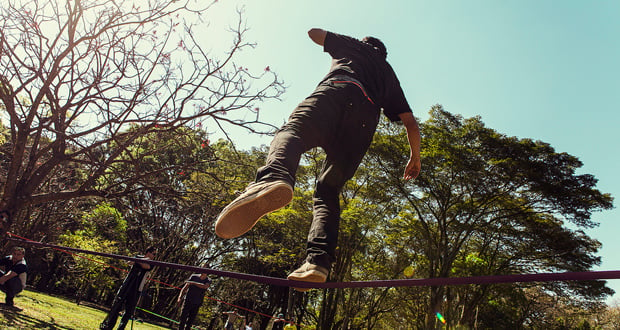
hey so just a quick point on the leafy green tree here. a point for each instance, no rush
(74, 75)
(485, 204)
(488, 204)
(175, 210)
(608, 318)
(266, 250)
(103, 229)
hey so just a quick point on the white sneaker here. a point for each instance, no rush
(309, 273)
(258, 199)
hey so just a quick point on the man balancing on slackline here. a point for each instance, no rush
(341, 117)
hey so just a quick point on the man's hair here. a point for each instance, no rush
(150, 249)
(20, 249)
(378, 44)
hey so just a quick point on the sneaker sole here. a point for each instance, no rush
(311, 276)
(308, 276)
(239, 219)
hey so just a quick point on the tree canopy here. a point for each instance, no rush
(75, 76)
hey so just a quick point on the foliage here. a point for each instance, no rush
(105, 109)
(488, 204)
(609, 318)
(485, 204)
(76, 75)
(177, 211)
(103, 229)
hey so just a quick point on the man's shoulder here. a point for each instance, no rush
(20, 267)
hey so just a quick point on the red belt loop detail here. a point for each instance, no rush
(358, 85)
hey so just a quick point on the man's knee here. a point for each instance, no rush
(13, 286)
(328, 190)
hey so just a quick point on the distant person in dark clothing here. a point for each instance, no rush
(194, 293)
(13, 278)
(129, 292)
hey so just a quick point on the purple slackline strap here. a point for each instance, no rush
(489, 279)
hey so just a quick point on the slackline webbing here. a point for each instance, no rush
(488, 279)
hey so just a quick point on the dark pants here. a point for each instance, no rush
(11, 288)
(188, 314)
(338, 118)
(129, 302)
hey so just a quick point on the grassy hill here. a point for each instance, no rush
(41, 311)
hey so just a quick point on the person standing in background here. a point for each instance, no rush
(129, 292)
(192, 294)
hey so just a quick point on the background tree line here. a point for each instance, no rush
(107, 109)
(387, 228)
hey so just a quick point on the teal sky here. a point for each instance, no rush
(540, 69)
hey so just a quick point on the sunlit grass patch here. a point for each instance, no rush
(41, 311)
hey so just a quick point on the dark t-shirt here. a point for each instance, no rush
(363, 62)
(20, 268)
(136, 278)
(194, 294)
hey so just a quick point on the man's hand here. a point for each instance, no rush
(412, 170)
(317, 35)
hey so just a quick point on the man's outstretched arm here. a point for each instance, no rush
(317, 35)
(413, 136)
(9, 275)
(182, 293)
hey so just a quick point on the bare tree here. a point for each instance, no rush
(81, 80)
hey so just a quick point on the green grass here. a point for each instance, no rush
(41, 311)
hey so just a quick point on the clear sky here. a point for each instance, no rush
(540, 69)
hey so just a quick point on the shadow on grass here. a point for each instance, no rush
(21, 321)
(37, 301)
